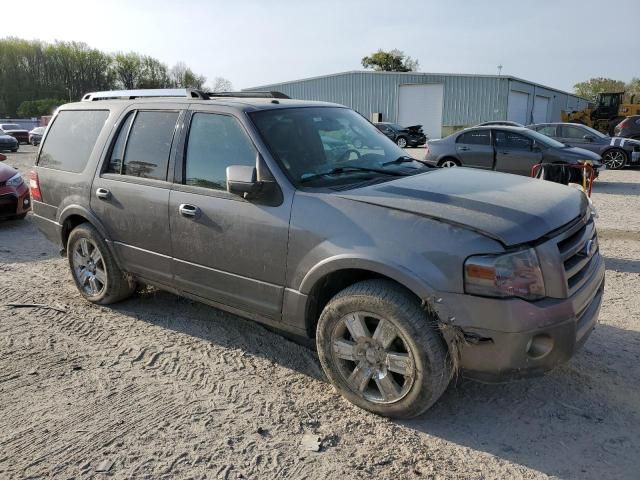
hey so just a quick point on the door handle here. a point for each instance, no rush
(103, 193)
(504, 153)
(187, 210)
(464, 149)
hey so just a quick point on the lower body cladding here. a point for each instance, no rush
(512, 338)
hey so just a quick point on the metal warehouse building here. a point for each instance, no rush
(441, 103)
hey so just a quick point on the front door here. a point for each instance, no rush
(474, 149)
(226, 249)
(130, 194)
(574, 135)
(515, 153)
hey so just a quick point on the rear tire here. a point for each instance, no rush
(382, 351)
(401, 142)
(93, 268)
(615, 158)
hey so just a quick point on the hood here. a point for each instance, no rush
(6, 172)
(7, 137)
(571, 153)
(414, 128)
(509, 208)
(16, 131)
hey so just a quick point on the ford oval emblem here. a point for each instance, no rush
(590, 248)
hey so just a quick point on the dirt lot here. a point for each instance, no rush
(161, 387)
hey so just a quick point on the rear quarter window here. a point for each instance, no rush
(71, 139)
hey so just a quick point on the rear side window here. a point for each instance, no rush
(71, 139)
(479, 137)
(148, 136)
(216, 142)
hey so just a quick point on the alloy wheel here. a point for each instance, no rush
(89, 267)
(614, 159)
(449, 164)
(402, 142)
(373, 358)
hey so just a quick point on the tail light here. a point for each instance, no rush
(34, 186)
(622, 124)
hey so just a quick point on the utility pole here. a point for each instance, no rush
(499, 70)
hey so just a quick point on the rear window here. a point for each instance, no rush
(71, 138)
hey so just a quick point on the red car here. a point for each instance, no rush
(15, 201)
(15, 131)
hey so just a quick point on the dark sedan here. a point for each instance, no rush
(629, 128)
(616, 152)
(14, 130)
(35, 135)
(7, 142)
(412, 136)
(504, 149)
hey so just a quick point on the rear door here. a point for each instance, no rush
(226, 249)
(515, 152)
(474, 149)
(130, 193)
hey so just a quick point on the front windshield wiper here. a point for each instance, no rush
(403, 159)
(339, 170)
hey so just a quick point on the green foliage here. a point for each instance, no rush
(31, 70)
(590, 88)
(38, 108)
(391, 61)
(633, 88)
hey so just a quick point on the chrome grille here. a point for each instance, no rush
(579, 252)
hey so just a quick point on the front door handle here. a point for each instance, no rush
(187, 210)
(464, 149)
(103, 193)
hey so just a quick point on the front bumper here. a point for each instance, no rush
(14, 201)
(508, 339)
(635, 157)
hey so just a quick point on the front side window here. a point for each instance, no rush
(148, 145)
(215, 143)
(71, 139)
(512, 140)
(576, 133)
(329, 146)
(477, 137)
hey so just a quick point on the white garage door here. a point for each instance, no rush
(421, 105)
(517, 107)
(540, 109)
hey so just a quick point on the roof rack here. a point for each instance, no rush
(175, 93)
(249, 94)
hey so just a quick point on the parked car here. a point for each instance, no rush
(629, 128)
(15, 201)
(15, 131)
(2, 157)
(412, 136)
(398, 271)
(504, 123)
(504, 149)
(35, 135)
(615, 152)
(8, 142)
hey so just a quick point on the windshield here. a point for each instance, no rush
(330, 146)
(10, 126)
(2, 132)
(544, 140)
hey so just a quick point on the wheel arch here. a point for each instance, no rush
(328, 278)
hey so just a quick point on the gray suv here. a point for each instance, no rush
(303, 216)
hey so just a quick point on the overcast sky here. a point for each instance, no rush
(553, 42)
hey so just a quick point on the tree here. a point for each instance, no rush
(391, 61)
(593, 86)
(37, 108)
(633, 88)
(182, 76)
(221, 84)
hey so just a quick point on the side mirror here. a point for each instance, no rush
(534, 146)
(589, 138)
(242, 180)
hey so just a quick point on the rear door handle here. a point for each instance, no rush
(464, 149)
(187, 210)
(103, 193)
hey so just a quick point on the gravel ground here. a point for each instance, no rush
(161, 387)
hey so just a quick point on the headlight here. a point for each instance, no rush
(15, 181)
(509, 275)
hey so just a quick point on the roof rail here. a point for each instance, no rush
(146, 93)
(249, 94)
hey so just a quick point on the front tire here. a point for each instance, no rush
(382, 351)
(401, 142)
(614, 158)
(94, 270)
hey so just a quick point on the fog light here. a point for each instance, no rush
(539, 346)
(25, 202)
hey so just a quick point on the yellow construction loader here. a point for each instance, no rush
(610, 109)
